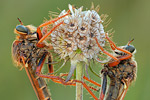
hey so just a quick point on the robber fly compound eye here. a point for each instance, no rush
(22, 29)
(130, 48)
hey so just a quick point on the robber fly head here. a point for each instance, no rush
(130, 48)
(22, 30)
(127, 47)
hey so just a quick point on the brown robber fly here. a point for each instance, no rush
(29, 50)
(121, 69)
(27, 54)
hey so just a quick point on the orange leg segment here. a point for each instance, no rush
(86, 78)
(113, 46)
(41, 38)
(39, 68)
(60, 80)
(72, 83)
(87, 88)
(47, 34)
(116, 62)
(112, 43)
(91, 81)
(54, 20)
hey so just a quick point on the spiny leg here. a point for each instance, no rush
(39, 68)
(123, 50)
(39, 33)
(87, 79)
(84, 77)
(112, 43)
(57, 79)
(87, 88)
(112, 47)
(72, 83)
(39, 44)
(107, 53)
(91, 81)
(54, 20)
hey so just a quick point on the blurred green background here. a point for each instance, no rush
(130, 19)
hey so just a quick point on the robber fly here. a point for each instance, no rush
(121, 69)
(27, 54)
(29, 50)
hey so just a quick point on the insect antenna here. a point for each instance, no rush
(130, 42)
(20, 21)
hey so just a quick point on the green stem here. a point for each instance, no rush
(79, 76)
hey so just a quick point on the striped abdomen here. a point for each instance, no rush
(39, 85)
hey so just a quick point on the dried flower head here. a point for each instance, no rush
(75, 39)
(79, 30)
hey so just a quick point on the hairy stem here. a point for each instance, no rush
(79, 76)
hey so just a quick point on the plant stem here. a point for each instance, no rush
(79, 76)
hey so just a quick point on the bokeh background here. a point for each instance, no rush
(130, 19)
